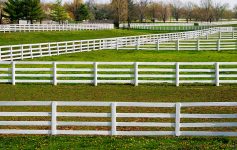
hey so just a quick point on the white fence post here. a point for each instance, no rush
(55, 73)
(158, 44)
(54, 118)
(40, 48)
(177, 44)
(220, 35)
(117, 44)
(113, 119)
(13, 73)
(233, 34)
(95, 74)
(198, 44)
(57, 48)
(217, 73)
(138, 43)
(73, 46)
(177, 74)
(49, 47)
(136, 78)
(11, 52)
(218, 44)
(177, 119)
(22, 52)
(31, 52)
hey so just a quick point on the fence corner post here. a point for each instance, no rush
(217, 68)
(54, 118)
(177, 119)
(177, 74)
(113, 119)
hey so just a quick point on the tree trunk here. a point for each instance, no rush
(129, 22)
(1, 17)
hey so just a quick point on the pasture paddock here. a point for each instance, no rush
(17, 52)
(145, 93)
(136, 73)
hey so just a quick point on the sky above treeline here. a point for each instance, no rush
(231, 3)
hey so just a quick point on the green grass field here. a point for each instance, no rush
(144, 93)
(112, 143)
(57, 36)
(146, 56)
(128, 93)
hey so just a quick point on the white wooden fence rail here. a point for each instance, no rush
(189, 45)
(112, 112)
(181, 24)
(52, 27)
(173, 26)
(19, 52)
(135, 73)
(165, 28)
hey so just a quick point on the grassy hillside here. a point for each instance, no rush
(56, 36)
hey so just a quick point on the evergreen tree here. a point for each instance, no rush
(14, 10)
(82, 13)
(32, 10)
(23, 9)
(58, 12)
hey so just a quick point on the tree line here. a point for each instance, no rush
(153, 11)
(118, 11)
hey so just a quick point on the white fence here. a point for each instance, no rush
(19, 52)
(190, 45)
(53, 27)
(119, 118)
(175, 26)
(166, 27)
(214, 73)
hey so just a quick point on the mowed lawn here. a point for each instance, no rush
(57, 36)
(115, 143)
(128, 93)
(146, 56)
(155, 92)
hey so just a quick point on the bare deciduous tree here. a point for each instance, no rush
(120, 11)
(207, 10)
(176, 6)
(142, 7)
(164, 11)
(188, 11)
(235, 11)
(219, 10)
